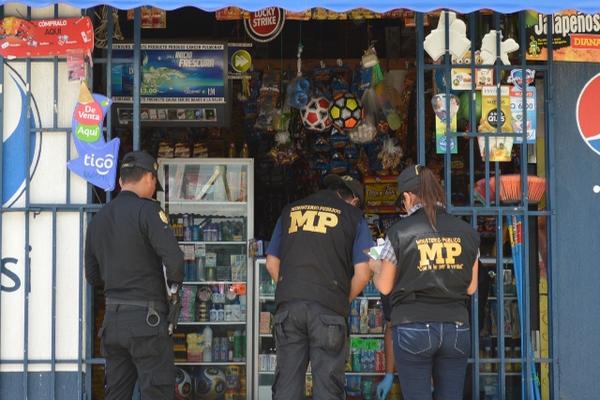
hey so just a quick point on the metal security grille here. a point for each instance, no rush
(533, 365)
(493, 373)
(51, 367)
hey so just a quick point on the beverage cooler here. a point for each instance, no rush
(209, 203)
(365, 364)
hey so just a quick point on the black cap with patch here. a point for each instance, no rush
(143, 160)
(352, 184)
(409, 180)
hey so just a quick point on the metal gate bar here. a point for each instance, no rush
(492, 206)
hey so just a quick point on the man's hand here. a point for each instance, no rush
(384, 386)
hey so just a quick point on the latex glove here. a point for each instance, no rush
(384, 386)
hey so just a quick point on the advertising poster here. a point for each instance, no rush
(380, 194)
(174, 73)
(46, 37)
(496, 118)
(441, 119)
(576, 36)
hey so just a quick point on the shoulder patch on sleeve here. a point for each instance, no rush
(163, 217)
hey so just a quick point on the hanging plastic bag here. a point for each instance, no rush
(390, 157)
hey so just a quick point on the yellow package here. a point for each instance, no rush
(493, 121)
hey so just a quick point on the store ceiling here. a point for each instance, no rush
(506, 6)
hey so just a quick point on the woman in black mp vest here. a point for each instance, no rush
(428, 265)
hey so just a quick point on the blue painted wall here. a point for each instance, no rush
(576, 269)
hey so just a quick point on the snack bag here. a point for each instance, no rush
(494, 119)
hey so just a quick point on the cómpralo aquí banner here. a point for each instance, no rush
(20, 38)
(575, 36)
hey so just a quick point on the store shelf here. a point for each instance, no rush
(347, 373)
(505, 298)
(366, 373)
(368, 297)
(210, 363)
(212, 242)
(267, 298)
(368, 335)
(212, 323)
(206, 203)
(492, 260)
(496, 373)
(214, 283)
(266, 335)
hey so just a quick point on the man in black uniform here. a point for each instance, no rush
(317, 258)
(127, 243)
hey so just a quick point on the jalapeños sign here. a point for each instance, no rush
(264, 25)
(21, 38)
(575, 36)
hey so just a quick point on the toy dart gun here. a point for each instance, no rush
(174, 303)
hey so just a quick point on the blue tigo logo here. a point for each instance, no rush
(18, 162)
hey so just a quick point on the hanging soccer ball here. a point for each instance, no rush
(315, 116)
(345, 111)
(183, 385)
(210, 384)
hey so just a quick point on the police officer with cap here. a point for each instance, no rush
(317, 258)
(127, 244)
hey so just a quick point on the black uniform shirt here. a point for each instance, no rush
(127, 243)
(434, 268)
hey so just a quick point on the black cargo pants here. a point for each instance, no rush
(306, 331)
(133, 349)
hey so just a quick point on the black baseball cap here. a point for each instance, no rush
(143, 160)
(409, 180)
(352, 184)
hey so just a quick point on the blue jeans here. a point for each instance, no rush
(426, 350)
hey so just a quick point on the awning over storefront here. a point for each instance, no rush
(505, 6)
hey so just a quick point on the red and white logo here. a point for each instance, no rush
(266, 24)
(89, 114)
(587, 113)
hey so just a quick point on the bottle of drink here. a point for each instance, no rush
(245, 153)
(207, 335)
(213, 313)
(224, 349)
(195, 230)
(237, 345)
(216, 349)
(200, 267)
(187, 233)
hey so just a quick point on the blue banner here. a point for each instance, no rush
(97, 161)
(173, 73)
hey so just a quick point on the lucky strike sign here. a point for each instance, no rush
(264, 25)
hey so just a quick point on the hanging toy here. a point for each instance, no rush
(339, 165)
(435, 41)
(283, 153)
(364, 133)
(390, 157)
(299, 87)
(315, 116)
(488, 48)
(346, 111)
(370, 62)
(338, 140)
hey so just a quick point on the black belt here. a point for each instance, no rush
(152, 317)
